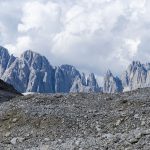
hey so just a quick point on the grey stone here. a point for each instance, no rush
(76, 121)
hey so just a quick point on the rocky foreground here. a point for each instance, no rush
(76, 122)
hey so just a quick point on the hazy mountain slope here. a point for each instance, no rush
(136, 76)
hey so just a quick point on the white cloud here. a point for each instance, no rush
(38, 16)
(132, 46)
(93, 35)
(23, 43)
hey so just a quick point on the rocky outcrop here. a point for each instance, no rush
(7, 91)
(112, 84)
(8, 87)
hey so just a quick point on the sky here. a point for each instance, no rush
(92, 35)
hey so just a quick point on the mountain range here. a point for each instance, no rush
(136, 76)
(32, 72)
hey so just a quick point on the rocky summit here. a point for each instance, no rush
(77, 121)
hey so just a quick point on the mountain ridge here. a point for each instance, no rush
(137, 75)
(32, 72)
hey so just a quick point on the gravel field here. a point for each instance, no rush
(76, 121)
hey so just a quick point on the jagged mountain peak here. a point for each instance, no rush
(35, 60)
(112, 84)
(64, 77)
(91, 75)
(3, 51)
(109, 73)
(91, 79)
(68, 67)
(29, 55)
(136, 76)
(83, 79)
(136, 63)
(92, 82)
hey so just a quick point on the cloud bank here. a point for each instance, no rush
(93, 35)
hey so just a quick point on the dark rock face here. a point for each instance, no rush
(33, 73)
(7, 87)
(92, 121)
(7, 91)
